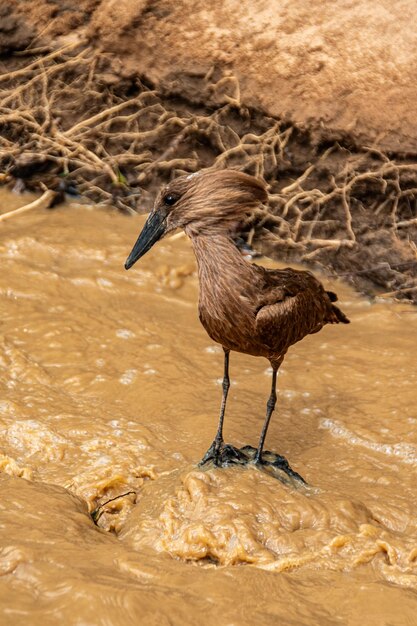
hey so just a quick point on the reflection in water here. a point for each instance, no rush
(110, 385)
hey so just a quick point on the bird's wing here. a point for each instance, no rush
(280, 321)
(290, 305)
(278, 285)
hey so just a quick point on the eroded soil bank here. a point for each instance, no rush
(344, 70)
(110, 99)
(110, 385)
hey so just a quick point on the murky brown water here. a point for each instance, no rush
(109, 384)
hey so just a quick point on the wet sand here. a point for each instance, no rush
(110, 385)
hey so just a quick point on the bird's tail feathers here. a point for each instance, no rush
(340, 316)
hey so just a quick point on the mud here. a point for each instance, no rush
(109, 385)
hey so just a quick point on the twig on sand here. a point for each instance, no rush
(44, 202)
(98, 511)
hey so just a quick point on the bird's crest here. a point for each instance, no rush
(210, 198)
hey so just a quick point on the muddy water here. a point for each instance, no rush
(109, 385)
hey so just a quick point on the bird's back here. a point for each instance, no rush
(255, 310)
(292, 304)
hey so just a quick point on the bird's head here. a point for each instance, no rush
(208, 202)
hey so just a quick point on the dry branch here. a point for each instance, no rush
(44, 202)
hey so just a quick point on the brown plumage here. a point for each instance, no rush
(242, 306)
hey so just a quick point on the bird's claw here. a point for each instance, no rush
(273, 461)
(224, 454)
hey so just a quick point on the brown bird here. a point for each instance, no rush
(242, 306)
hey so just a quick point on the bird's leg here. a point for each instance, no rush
(270, 406)
(215, 448)
(218, 440)
(271, 461)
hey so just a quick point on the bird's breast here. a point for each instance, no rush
(229, 319)
(227, 302)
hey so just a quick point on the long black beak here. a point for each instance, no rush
(155, 227)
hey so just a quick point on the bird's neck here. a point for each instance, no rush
(217, 254)
(226, 291)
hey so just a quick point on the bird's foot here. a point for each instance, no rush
(270, 461)
(223, 455)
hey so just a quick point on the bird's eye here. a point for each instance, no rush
(170, 199)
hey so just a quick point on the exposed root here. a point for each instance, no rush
(44, 202)
(67, 119)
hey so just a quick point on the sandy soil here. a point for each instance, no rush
(341, 70)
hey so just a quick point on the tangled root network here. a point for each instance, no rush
(69, 122)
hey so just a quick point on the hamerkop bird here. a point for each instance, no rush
(242, 306)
